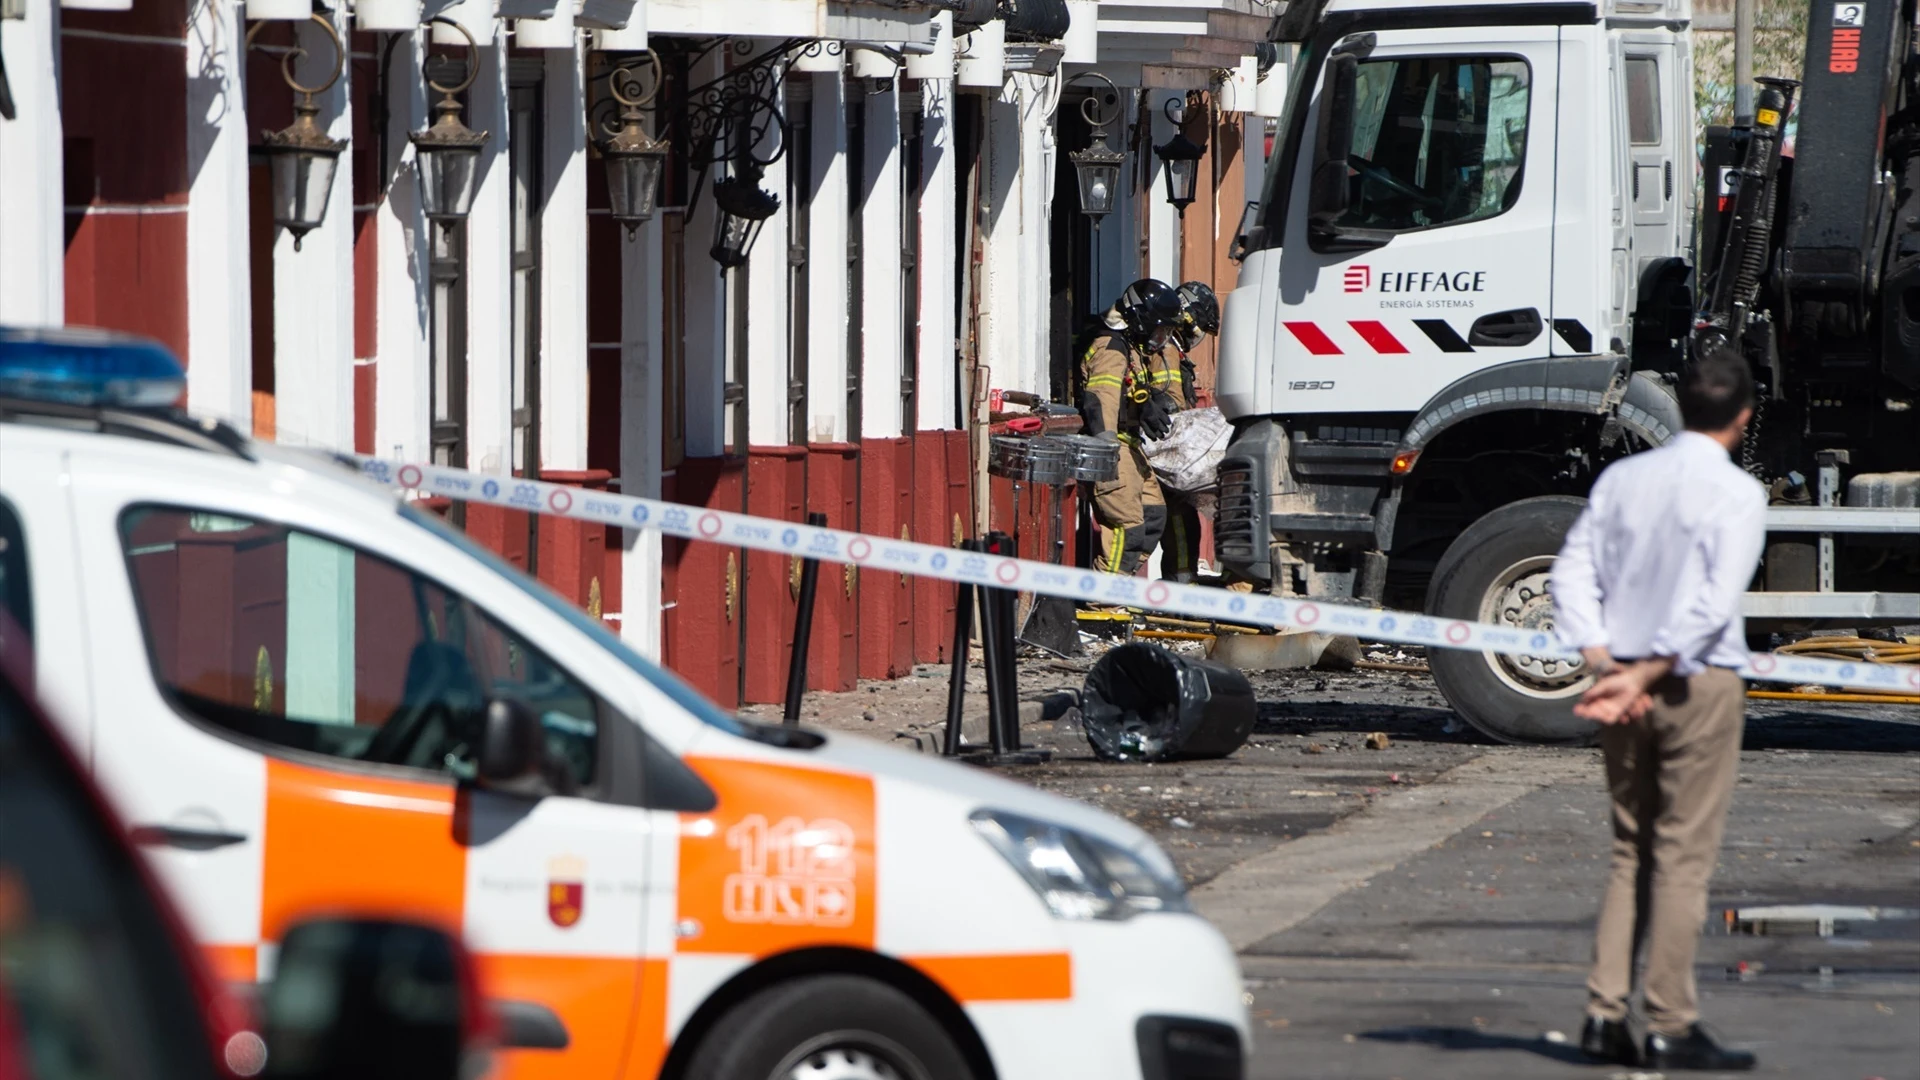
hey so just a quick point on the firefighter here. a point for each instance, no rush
(1120, 401)
(1173, 370)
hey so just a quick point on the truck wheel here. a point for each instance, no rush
(828, 1027)
(1496, 572)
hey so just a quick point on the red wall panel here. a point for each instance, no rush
(886, 600)
(776, 488)
(833, 488)
(129, 272)
(573, 552)
(702, 581)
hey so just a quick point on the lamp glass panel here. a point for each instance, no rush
(1098, 182)
(633, 185)
(1181, 175)
(446, 181)
(302, 182)
(733, 238)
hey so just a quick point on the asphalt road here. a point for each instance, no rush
(1425, 910)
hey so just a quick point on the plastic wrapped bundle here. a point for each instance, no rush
(1143, 703)
(1188, 459)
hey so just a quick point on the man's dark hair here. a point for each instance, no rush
(1714, 389)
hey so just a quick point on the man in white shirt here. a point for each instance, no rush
(1648, 588)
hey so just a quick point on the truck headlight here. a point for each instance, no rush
(1080, 876)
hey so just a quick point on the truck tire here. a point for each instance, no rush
(1496, 572)
(828, 1027)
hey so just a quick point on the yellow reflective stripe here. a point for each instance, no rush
(1161, 378)
(1103, 380)
(1115, 548)
(1124, 437)
(1180, 543)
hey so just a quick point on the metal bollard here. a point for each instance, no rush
(802, 632)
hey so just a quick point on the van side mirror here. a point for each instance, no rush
(1328, 191)
(511, 746)
(370, 999)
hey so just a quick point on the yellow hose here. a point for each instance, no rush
(1863, 699)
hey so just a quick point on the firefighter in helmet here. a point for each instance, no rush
(1120, 401)
(1173, 369)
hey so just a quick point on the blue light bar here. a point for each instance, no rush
(89, 367)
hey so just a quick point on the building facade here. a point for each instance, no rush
(902, 169)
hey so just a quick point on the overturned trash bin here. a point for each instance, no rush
(1143, 703)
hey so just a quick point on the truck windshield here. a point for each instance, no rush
(663, 680)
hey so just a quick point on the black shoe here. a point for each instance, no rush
(1608, 1042)
(1694, 1050)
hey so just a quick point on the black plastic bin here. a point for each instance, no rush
(1144, 703)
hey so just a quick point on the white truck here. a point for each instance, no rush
(1475, 271)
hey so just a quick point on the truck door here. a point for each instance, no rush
(1450, 176)
(291, 727)
(1661, 185)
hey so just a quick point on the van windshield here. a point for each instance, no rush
(663, 680)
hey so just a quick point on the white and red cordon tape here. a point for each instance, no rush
(973, 568)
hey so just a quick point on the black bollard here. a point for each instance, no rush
(957, 680)
(1003, 676)
(802, 632)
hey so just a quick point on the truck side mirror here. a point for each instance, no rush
(511, 746)
(1328, 191)
(371, 999)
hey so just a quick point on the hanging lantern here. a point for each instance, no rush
(1181, 157)
(302, 157)
(744, 208)
(449, 152)
(634, 159)
(1097, 168)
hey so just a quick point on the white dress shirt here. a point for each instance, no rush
(1657, 564)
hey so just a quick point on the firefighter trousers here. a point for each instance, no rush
(1131, 513)
(1180, 543)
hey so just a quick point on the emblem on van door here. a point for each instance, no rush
(566, 890)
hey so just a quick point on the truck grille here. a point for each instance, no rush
(1239, 519)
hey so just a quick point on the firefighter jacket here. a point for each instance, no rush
(1113, 379)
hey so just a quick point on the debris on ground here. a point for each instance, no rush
(1377, 740)
(1145, 703)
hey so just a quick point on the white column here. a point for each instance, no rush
(403, 374)
(563, 267)
(32, 199)
(313, 287)
(938, 386)
(766, 293)
(1163, 222)
(827, 266)
(641, 406)
(706, 311)
(880, 270)
(1018, 304)
(219, 303)
(489, 274)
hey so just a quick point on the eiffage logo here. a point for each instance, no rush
(1358, 278)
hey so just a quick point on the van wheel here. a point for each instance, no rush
(1496, 572)
(828, 1027)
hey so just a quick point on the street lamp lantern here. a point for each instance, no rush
(1181, 156)
(301, 156)
(744, 208)
(633, 158)
(1097, 168)
(448, 153)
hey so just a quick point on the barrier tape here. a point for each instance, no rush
(1026, 575)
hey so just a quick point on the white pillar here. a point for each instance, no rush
(1018, 304)
(219, 303)
(489, 274)
(313, 287)
(938, 385)
(641, 405)
(32, 199)
(403, 391)
(880, 271)
(563, 267)
(705, 373)
(827, 266)
(1163, 222)
(766, 293)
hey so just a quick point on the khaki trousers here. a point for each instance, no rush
(1671, 775)
(1130, 511)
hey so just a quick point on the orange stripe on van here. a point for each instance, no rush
(1002, 977)
(233, 963)
(592, 995)
(355, 844)
(647, 1046)
(785, 861)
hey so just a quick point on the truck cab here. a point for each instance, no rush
(1468, 286)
